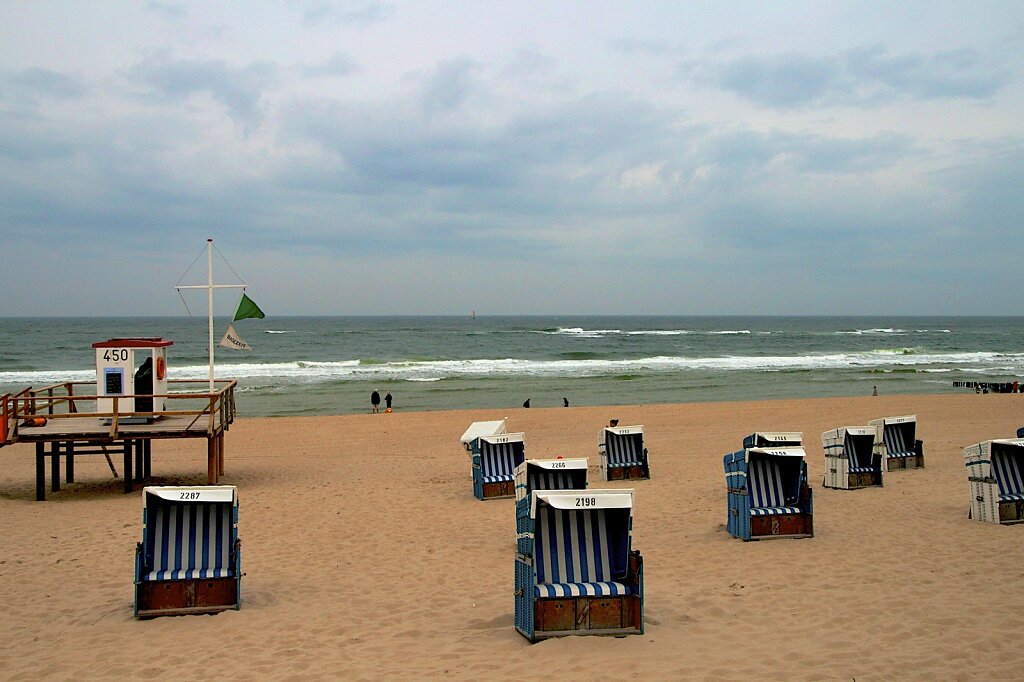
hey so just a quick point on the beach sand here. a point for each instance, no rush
(366, 557)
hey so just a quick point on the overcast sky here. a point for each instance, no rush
(514, 157)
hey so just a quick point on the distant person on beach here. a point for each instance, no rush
(375, 401)
(527, 403)
(874, 390)
(565, 402)
(613, 423)
(387, 401)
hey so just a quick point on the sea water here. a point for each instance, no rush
(330, 365)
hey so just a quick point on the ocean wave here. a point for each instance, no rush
(310, 371)
(579, 332)
(876, 330)
(659, 332)
(278, 331)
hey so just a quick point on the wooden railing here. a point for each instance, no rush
(59, 401)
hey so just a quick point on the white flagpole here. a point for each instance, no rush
(209, 292)
(210, 286)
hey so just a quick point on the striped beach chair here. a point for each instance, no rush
(544, 474)
(576, 573)
(495, 459)
(896, 443)
(768, 495)
(621, 453)
(189, 560)
(995, 472)
(850, 460)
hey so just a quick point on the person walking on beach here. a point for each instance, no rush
(375, 401)
(565, 402)
(387, 401)
(527, 403)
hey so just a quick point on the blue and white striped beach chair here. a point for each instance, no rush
(495, 459)
(768, 495)
(544, 474)
(189, 560)
(850, 460)
(995, 472)
(577, 573)
(621, 453)
(896, 443)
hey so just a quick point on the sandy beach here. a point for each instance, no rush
(367, 557)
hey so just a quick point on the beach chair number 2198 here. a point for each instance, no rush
(586, 501)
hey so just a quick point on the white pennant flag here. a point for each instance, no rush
(233, 340)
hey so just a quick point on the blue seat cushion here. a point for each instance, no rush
(187, 574)
(496, 479)
(773, 511)
(595, 589)
(861, 470)
(910, 453)
(1011, 497)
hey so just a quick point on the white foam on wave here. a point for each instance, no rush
(436, 370)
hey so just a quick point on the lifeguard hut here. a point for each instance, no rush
(138, 387)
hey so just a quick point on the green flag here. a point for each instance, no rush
(247, 308)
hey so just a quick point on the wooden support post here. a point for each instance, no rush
(40, 471)
(147, 462)
(127, 448)
(138, 460)
(69, 461)
(211, 461)
(55, 466)
(220, 454)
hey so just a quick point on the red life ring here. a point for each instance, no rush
(161, 368)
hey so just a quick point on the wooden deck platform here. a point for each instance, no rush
(67, 429)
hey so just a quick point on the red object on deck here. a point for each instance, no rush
(139, 342)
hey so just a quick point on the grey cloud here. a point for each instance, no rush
(170, 10)
(808, 153)
(655, 48)
(779, 81)
(338, 64)
(449, 85)
(857, 77)
(949, 73)
(38, 82)
(238, 88)
(327, 11)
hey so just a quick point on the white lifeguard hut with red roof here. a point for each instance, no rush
(137, 386)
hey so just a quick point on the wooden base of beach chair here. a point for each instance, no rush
(865, 480)
(181, 597)
(782, 525)
(559, 617)
(626, 473)
(500, 489)
(898, 463)
(1011, 512)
